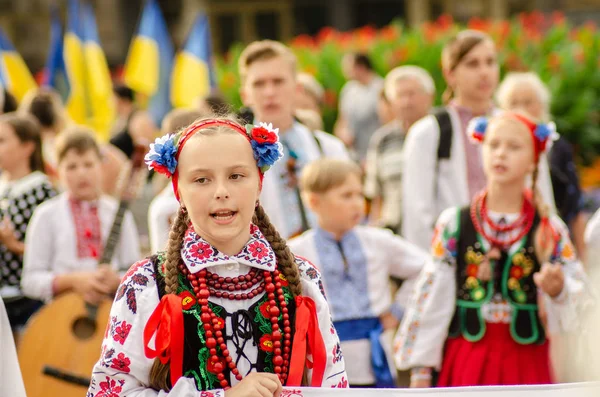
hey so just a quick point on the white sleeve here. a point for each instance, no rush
(405, 259)
(332, 146)
(565, 310)
(129, 244)
(419, 181)
(160, 211)
(312, 287)
(123, 368)
(11, 381)
(424, 328)
(592, 241)
(38, 275)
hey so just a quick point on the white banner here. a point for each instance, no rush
(560, 390)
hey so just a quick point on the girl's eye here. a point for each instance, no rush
(236, 176)
(201, 180)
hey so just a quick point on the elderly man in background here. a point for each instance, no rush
(410, 91)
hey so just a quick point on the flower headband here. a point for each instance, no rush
(540, 133)
(164, 152)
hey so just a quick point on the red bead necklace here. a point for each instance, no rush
(479, 215)
(213, 325)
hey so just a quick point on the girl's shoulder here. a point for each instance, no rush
(308, 271)
(142, 275)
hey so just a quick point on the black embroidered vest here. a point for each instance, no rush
(250, 327)
(512, 276)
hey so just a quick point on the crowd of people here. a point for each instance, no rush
(414, 246)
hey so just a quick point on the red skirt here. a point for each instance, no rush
(496, 359)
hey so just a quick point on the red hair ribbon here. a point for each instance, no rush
(307, 340)
(167, 323)
(538, 145)
(189, 132)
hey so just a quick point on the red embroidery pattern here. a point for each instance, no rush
(291, 393)
(343, 384)
(110, 388)
(121, 363)
(121, 332)
(87, 229)
(258, 250)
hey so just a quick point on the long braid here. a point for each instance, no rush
(285, 259)
(159, 373)
(543, 236)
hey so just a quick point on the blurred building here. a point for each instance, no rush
(27, 22)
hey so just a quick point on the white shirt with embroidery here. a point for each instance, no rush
(123, 369)
(51, 244)
(424, 329)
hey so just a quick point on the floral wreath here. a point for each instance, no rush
(540, 132)
(263, 138)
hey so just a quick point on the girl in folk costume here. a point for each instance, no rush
(494, 263)
(23, 186)
(227, 309)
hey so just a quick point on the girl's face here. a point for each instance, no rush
(477, 74)
(219, 187)
(81, 174)
(507, 152)
(524, 98)
(13, 152)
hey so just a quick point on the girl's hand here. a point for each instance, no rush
(550, 279)
(257, 384)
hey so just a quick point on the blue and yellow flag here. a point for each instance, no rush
(192, 76)
(14, 74)
(55, 73)
(149, 61)
(77, 104)
(99, 83)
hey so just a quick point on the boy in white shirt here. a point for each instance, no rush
(67, 234)
(355, 264)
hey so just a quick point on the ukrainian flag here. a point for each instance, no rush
(14, 74)
(149, 61)
(55, 74)
(193, 73)
(77, 102)
(99, 83)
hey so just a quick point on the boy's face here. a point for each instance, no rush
(81, 174)
(270, 89)
(340, 208)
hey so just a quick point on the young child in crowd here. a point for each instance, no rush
(23, 186)
(67, 234)
(356, 263)
(227, 309)
(477, 309)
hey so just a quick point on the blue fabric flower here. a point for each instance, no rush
(161, 156)
(266, 154)
(542, 132)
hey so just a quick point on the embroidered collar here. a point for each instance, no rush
(323, 234)
(198, 254)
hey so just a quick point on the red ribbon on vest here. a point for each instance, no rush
(167, 323)
(307, 340)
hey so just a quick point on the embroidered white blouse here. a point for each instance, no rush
(123, 369)
(424, 329)
(51, 244)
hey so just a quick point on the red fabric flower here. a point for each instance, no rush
(121, 332)
(264, 310)
(472, 270)
(121, 363)
(109, 388)
(283, 280)
(221, 322)
(258, 249)
(201, 250)
(262, 135)
(266, 343)
(187, 300)
(516, 272)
